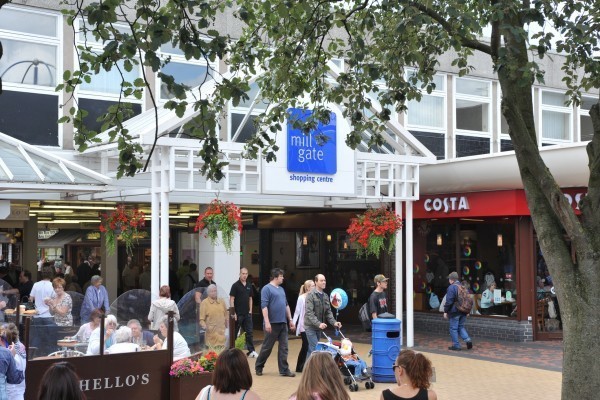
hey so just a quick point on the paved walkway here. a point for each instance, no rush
(492, 370)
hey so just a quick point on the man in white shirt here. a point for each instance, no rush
(43, 335)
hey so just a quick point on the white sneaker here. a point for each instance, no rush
(253, 354)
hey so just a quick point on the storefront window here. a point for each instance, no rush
(483, 254)
(303, 254)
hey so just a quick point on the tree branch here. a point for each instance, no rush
(437, 17)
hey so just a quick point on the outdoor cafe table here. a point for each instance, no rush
(11, 312)
(67, 344)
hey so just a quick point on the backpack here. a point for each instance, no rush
(464, 302)
(364, 317)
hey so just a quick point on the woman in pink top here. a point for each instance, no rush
(299, 322)
(321, 380)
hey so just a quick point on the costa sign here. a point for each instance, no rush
(501, 203)
(446, 204)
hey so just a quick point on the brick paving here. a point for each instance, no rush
(460, 375)
(542, 355)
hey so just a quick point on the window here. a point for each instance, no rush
(105, 83)
(105, 87)
(505, 140)
(16, 117)
(556, 118)
(29, 67)
(426, 119)
(585, 121)
(31, 47)
(41, 24)
(473, 102)
(191, 73)
(238, 113)
(481, 252)
(28, 63)
(96, 108)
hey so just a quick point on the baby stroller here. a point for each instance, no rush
(348, 361)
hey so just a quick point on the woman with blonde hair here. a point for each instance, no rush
(413, 373)
(299, 322)
(321, 380)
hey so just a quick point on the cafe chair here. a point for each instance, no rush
(540, 314)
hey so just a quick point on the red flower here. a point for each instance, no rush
(374, 230)
(122, 224)
(225, 217)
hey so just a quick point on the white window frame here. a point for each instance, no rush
(563, 110)
(434, 93)
(98, 95)
(474, 98)
(57, 42)
(37, 39)
(501, 135)
(582, 113)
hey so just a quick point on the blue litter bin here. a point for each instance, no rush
(387, 339)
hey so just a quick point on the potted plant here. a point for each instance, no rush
(124, 224)
(189, 376)
(224, 217)
(374, 231)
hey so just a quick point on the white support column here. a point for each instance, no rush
(155, 228)
(226, 265)
(410, 331)
(398, 265)
(164, 216)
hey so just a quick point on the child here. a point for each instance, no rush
(360, 367)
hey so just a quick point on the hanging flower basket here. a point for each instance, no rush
(224, 217)
(374, 231)
(122, 224)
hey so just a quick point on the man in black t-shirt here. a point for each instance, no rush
(378, 299)
(203, 284)
(240, 298)
(208, 278)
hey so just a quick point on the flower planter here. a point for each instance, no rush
(374, 231)
(188, 387)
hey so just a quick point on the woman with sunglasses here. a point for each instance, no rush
(413, 373)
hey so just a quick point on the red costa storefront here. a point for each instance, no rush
(486, 237)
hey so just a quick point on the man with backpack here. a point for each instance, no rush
(458, 305)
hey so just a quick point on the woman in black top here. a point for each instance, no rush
(413, 372)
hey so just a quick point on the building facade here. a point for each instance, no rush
(291, 221)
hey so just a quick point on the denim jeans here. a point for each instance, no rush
(457, 326)
(313, 338)
(358, 365)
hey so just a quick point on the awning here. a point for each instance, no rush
(24, 167)
(61, 238)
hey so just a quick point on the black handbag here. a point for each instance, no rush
(30, 305)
